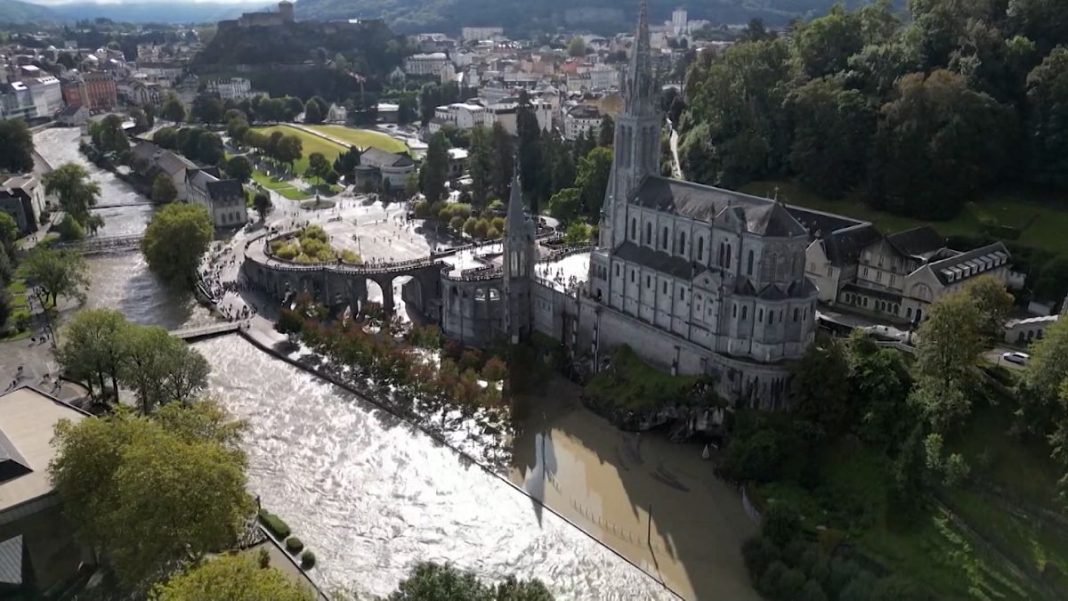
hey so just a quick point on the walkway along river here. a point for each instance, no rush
(372, 495)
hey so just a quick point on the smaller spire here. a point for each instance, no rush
(515, 198)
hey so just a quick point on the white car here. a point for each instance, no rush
(1016, 357)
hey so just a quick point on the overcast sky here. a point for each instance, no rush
(263, 3)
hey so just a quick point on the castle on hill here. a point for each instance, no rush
(262, 19)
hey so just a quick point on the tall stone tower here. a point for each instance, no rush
(637, 138)
(285, 8)
(520, 254)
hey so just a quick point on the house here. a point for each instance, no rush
(457, 162)
(36, 542)
(223, 198)
(388, 169)
(150, 160)
(23, 197)
(73, 116)
(582, 120)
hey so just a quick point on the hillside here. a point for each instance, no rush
(151, 12)
(423, 15)
(15, 12)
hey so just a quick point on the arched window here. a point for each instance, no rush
(701, 249)
(744, 312)
(729, 256)
(749, 264)
(795, 313)
(682, 243)
(648, 233)
(722, 255)
(664, 238)
(634, 229)
(760, 315)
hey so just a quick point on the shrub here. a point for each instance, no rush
(294, 545)
(274, 524)
(495, 370)
(307, 560)
(263, 558)
(782, 524)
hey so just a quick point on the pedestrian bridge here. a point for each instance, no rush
(108, 244)
(210, 331)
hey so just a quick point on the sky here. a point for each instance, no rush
(113, 2)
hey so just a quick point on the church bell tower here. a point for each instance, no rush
(520, 255)
(636, 151)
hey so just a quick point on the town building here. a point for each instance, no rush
(95, 90)
(37, 548)
(72, 116)
(478, 34)
(428, 64)
(582, 120)
(149, 160)
(23, 197)
(234, 88)
(894, 277)
(379, 168)
(223, 198)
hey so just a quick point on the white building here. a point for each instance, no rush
(224, 199)
(477, 34)
(603, 77)
(47, 95)
(234, 89)
(581, 120)
(426, 64)
(461, 115)
(678, 21)
(16, 101)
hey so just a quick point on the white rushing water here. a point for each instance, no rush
(372, 496)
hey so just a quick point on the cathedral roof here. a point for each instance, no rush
(656, 260)
(696, 201)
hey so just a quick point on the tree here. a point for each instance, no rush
(57, 273)
(16, 146)
(239, 168)
(142, 121)
(289, 149)
(592, 180)
(824, 45)
(577, 234)
(315, 110)
(207, 108)
(175, 240)
(820, 386)
(950, 341)
(163, 190)
(186, 373)
(92, 348)
(503, 150)
(173, 110)
(936, 145)
(832, 129)
(531, 156)
(606, 135)
(112, 137)
(429, 99)
(209, 148)
(435, 168)
(261, 203)
(433, 582)
(232, 577)
(148, 497)
(9, 233)
(143, 363)
(318, 167)
(576, 47)
(566, 204)
(346, 163)
(480, 166)
(993, 303)
(166, 137)
(1047, 122)
(76, 193)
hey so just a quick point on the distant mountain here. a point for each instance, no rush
(18, 13)
(152, 12)
(522, 15)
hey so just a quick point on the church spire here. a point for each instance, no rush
(639, 78)
(515, 198)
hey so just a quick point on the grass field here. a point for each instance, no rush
(284, 188)
(311, 143)
(20, 309)
(362, 138)
(1041, 224)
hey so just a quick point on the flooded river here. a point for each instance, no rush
(372, 496)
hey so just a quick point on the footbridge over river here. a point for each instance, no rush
(106, 244)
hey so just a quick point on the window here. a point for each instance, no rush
(648, 282)
(634, 229)
(648, 233)
(617, 270)
(665, 287)
(701, 249)
(722, 255)
(631, 276)
(892, 279)
(744, 311)
(908, 313)
(734, 310)
(760, 316)
(664, 238)
(728, 256)
(682, 243)
(749, 263)
(878, 276)
(865, 272)
(795, 314)
(682, 294)
(771, 317)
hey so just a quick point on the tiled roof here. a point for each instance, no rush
(11, 561)
(920, 241)
(655, 260)
(843, 247)
(971, 263)
(376, 157)
(225, 189)
(696, 201)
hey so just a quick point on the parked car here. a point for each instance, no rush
(1016, 357)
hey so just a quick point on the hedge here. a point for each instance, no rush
(274, 524)
(307, 560)
(294, 545)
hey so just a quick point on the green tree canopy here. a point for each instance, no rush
(173, 110)
(70, 183)
(318, 167)
(435, 168)
(480, 165)
(16, 146)
(147, 497)
(57, 273)
(163, 190)
(207, 108)
(576, 47)
(175, 240)
(592, 180)
(434, 582)
(1047, 122)
(239, 168)
(949, 343)
(231, 577)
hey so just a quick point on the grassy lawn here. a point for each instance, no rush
(310, 144)
(362, 138)
(1041, 224)
(286, 189)
(20, 309)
